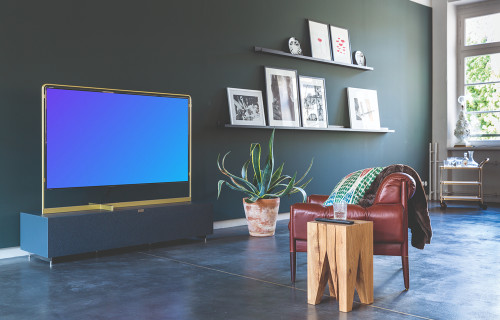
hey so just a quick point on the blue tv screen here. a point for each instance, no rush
(110, 138)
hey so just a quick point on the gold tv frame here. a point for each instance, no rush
(109, 206)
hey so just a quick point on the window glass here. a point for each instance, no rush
(484, 68)
(485, 124)
(482, 91)
(482, 29)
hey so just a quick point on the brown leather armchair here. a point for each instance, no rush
(389, 214)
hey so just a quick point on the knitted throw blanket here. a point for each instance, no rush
(353, 186)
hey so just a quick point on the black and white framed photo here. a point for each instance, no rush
(246, 107)
(363, 108)
(282, 97)
(313, 102)
(341, 46)
(320, 40)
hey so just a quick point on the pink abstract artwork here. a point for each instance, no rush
(340, 46)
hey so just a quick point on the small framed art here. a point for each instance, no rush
(282, 97)
(363, 108)
(320, 41)
(341, 46)
(313, 102)
(246, 107)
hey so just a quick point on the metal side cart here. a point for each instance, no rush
(473, 197)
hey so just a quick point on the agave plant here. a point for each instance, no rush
(265, 183)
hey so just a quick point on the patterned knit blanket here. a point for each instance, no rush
(353, 186)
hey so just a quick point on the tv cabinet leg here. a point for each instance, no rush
(50, 263)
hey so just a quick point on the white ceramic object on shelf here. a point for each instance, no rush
(294, 46)
(462, 130)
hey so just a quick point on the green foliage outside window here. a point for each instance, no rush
(482, 97)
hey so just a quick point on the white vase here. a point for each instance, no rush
(462, 130)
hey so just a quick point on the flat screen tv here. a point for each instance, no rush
(116, 147)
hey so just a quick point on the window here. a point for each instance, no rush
(479, 69)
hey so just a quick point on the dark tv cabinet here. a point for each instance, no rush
(61, 234)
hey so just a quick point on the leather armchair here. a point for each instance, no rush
(389, 213)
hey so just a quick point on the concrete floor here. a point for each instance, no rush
(234, 276)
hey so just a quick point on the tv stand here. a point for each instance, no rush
(69, 233)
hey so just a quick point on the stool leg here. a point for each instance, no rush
(293, 265)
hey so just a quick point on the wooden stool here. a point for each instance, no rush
(341, 255)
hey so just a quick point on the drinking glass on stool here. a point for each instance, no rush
(340, 210)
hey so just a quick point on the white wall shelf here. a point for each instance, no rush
(330, 128)
(296, 56)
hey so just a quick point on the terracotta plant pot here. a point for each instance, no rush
(261, 216)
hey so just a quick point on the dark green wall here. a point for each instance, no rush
(200, 47)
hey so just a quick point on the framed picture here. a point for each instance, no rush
(313, 102)
(363, 108)
(282, 97)
(320, 41)
(340, 45)
(246, 107)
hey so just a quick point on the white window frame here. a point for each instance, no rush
(463, 51)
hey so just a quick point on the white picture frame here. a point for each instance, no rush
(363, 108)
(246, 107)
(313, 107)
(341, 46)
(320, 40)
(282, 97)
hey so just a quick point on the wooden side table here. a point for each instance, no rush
(341, 255)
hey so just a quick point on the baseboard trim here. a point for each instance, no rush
(12, 252)
(243, 222)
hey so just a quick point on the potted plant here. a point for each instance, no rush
(263, 187)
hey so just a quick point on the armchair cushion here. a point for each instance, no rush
(353, 186)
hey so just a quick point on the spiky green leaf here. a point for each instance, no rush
(288, 187)
(276, 175)
(307, 171)
(235, 188)
(229, 185)
(303, 186)
(266, 180)
(255, 152)
(282, 179)
(227, 173)
(219, 186)
(270, 156)
(246, 186)
(244, 170)
(302, 191)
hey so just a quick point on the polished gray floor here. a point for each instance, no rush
(234, 276)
